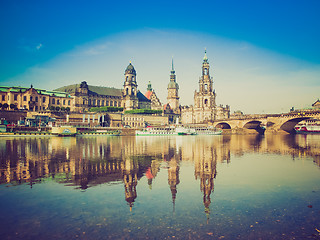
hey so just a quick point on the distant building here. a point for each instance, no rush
(152, 96)
(131, 97)
(316, 104)
(34, 99)
(173, 89)
(205, 108)
(87, 96)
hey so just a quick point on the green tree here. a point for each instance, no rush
(67, 109)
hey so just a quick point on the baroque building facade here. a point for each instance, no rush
(34, 99)
(205, 108)
(88, 96)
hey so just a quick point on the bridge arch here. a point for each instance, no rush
(223, 125)
(256, 125)
(289, 125)
(252, 124)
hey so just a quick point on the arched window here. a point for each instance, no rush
(205, 101)
(126, 78)
(132, 78)
(206, 87)
(205, 71)
(127, 91)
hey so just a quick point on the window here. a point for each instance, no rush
(205, 101)
(44, 99)
(15, 97)
(58, 101)
(102, 103)
(25, 98)
(69, 102)
(107, 103)
(30, 98)
(111, 103)
(64, 102)
(115, 103)
(3, 97)
(53, 101)
(89, 102)
(205, 87)
(36, 99)
(98, 102)
(94, 102)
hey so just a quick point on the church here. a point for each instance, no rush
(205, 108)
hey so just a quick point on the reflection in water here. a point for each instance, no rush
(87, 161)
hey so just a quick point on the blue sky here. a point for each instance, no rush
(264, 55)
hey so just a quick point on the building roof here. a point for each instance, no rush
(40, 91)
(148, 94)
(142, 98)
(130, 69)
(93, 90)
(316, 103)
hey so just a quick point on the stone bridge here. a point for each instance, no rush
(271, 122)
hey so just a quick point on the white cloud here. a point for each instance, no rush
(39, 46)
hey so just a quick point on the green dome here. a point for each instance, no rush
(130, 69)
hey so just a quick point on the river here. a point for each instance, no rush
(162, 187)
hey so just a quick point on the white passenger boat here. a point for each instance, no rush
(157, 131)
(207, 130)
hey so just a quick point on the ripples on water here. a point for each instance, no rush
(183, 187)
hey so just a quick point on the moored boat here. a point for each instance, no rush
(157, 131)
(207, 130)
(304, 129)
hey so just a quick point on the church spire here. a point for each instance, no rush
(205, 58)
(172, 68)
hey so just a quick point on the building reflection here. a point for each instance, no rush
(173, 173)
(87, 161)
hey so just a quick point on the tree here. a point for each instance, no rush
(52, 108)
(67, 109)
(63, 109)
(57, 108)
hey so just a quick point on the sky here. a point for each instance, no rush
(264, 55)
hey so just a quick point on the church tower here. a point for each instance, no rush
(205, 99)
(130, 99)
(173, 87)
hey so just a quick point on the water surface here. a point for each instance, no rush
(175, 187)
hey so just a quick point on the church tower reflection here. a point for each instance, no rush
(173, 175)
(130, 169)
(205, 170)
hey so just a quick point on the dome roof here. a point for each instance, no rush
(130, 69)
(173, 84)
